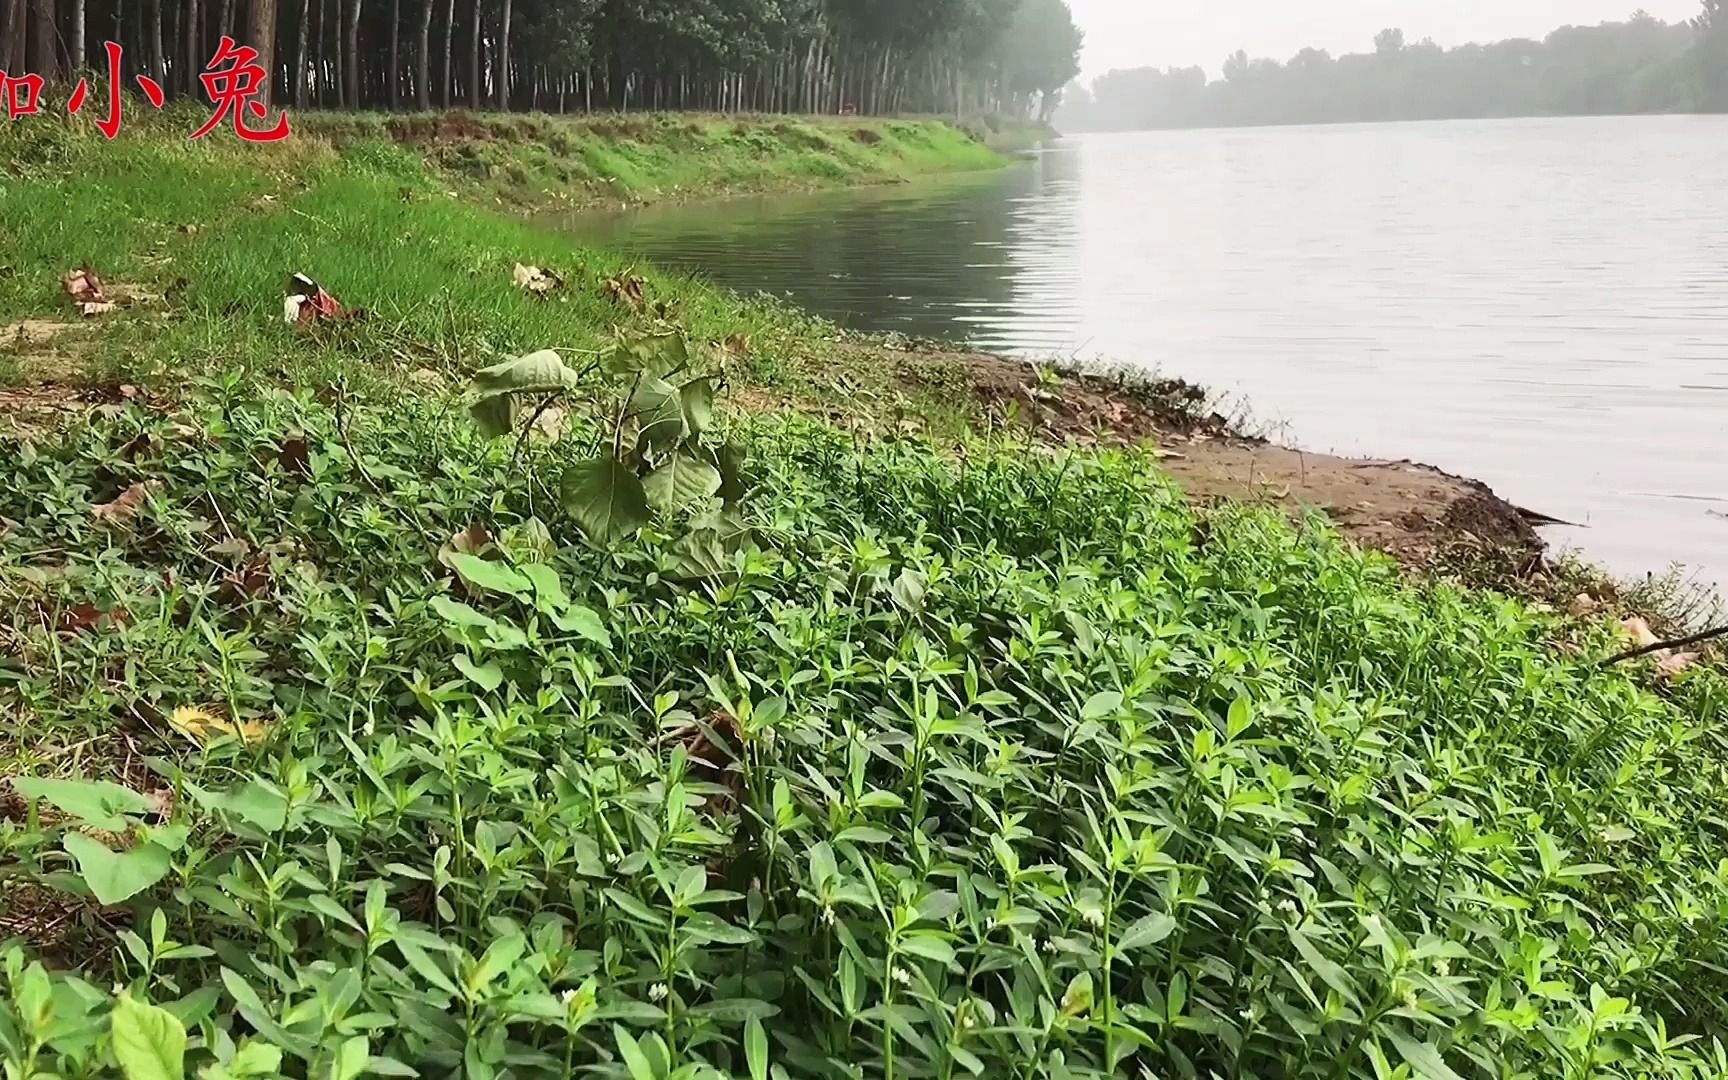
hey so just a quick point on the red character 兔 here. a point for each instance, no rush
(23, 94)
(111, 126)
(235, 90)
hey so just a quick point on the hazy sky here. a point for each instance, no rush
(1162, 33)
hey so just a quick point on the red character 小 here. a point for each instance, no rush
(111, 126)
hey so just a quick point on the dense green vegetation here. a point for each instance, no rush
(818, 56)
(345, 743)
(1638, 66)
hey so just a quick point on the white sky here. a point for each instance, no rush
(1165, 33)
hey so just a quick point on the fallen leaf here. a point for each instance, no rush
(535, 280)
(1639, 631)
(207, 726)
(248, 580)
(125, 507)
(83, 286)
(143, 444)
(93, 309)
(738, 344)
(1672, 665)
(550, 423)
(1583, 604)
(470, 541)
(87, 616)
(295, 455)
(628, 289)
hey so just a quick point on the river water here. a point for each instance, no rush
(1542, 304)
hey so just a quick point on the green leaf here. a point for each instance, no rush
(584, 622)
(324, 905)
(487, 677)
(1147, 931)
(351, 1059)
(488, 576)
(733, 487)
(908, 590)
(149, 1042)
(756, 1048)
(499, 958)
(97, 803)
(736, 1010)
(549, 594)
(251, 802)
(495, 416)
(1328, 970)
(697, 399)
(117, 876)
(1423, 1058)
(605, 498)
(659, 413)
(652, 355)
(534, 373)
(634, 1058)
(457, 613)
(1103, 703)
(929, 948)
(680, 482)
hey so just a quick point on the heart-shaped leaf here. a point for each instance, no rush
(251, 802)
(116, 876)
(149, 1042)
(658, 411)
(488, 576)
(605, 498)
(488, 677)
(680, 482)
(697, 398)
(535, 373)
(97, 803)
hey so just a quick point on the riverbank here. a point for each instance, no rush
(553, 654)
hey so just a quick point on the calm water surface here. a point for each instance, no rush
(1539, 303)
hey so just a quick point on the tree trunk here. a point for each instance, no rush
(395, 54)
(449, 37)
(503, 54)
(474, 62)
(227, 27)
(301, 97)
(158, 67)
(352, 54)
(194, 62)
(423, 77)
(75, 43)
(46, 61)
(261, 35)
(12, 55)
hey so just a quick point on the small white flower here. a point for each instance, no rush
(1442, 966)
(1287, 906)
(1247, 1014)
(1093, 916)
(657, 992)
(1049, 946)
(827, 914)
(967, 1020)
(902, 976)
(567, 996)
(613, 858)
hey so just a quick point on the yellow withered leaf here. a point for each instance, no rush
(206, 726)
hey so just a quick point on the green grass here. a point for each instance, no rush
(974, 759)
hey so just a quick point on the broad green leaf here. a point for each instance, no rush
(549, 594)
(730, 461)
(658, 412)
(488, 576)
(680, 482)
(908, 590)
(1328, 970)
(1147, 931)
(929, 948)
(736, 1010)
(756, 1048)
(651, 355)
(255, 1059)
(584, 622)
(149, 1042)
(1423, 1058)
(457, 613)
(351, 1058)
(534, 373)
(487, 677)
(499, 957)
(697, 399)
(605, 498)
(251, 802)
(1103, 703)
(496, 416)
(634, 1059)
(116, 876)
(97, 803)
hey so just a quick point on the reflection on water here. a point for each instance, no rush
(1539, 303)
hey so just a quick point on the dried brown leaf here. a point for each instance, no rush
(125, 507)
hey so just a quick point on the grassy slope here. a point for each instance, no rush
(1027, 743)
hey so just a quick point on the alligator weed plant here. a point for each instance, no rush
(338, 748)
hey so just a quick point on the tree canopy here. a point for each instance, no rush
(1640, 65)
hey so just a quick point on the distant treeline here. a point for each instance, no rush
(1642, 65)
